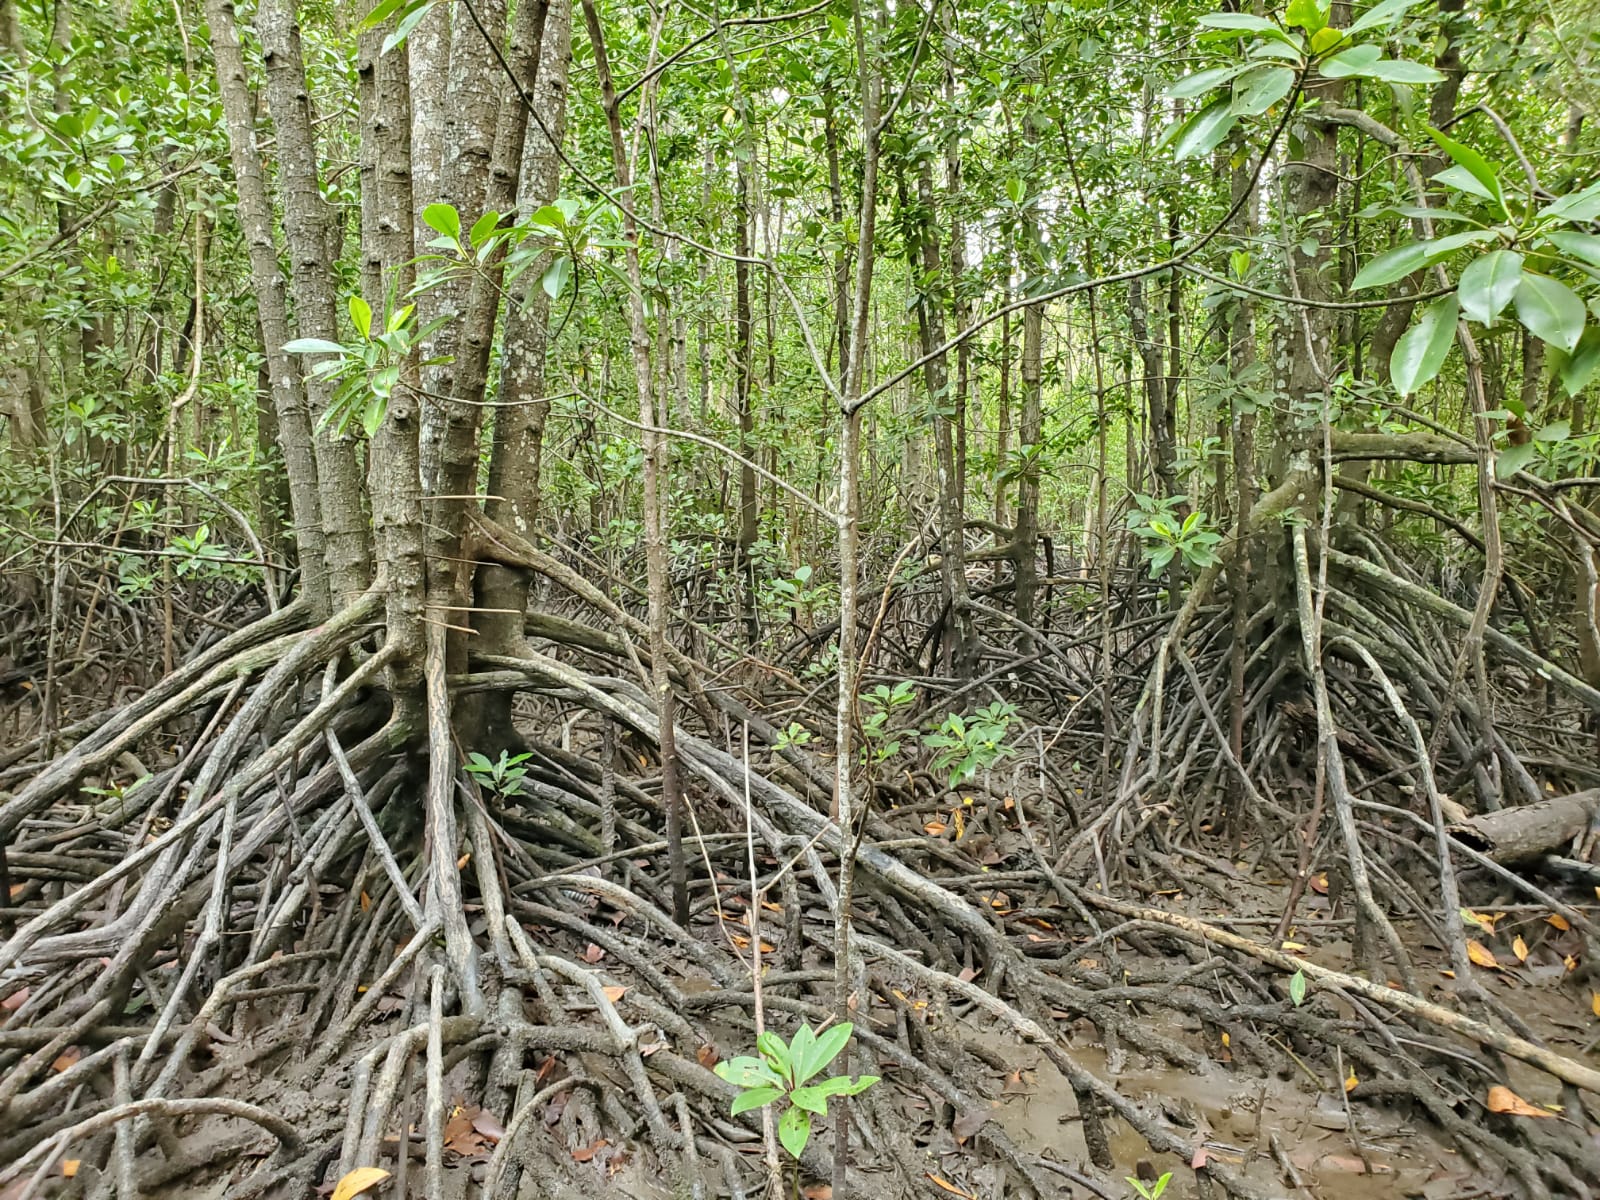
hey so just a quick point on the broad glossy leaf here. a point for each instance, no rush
(1258, 91)
(443, 218)
(1579, 206)
(829, 1043)
(802, 1049)
(748, 1072)
(1310, 15)
(1391, 265)
(1203, 132)
(1366, 62)
(1479, 167)
(1463, 181)
(313, 346)
(1550, 310)
(1420, 353)
(483, 227)
(1578, 368)
(1582, 246)
(410, 21)
(794, 1130)
(361, 316)
(776, 1052)
(1383, 14)
(1489, 284)
(1506, 464)
(1198, 84)
(754, 1098)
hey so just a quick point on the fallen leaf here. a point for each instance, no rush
(968, 974)
(818, 1191)
(1504, 1100)
(1319, 884)
(69, 1167)
(1558, 921)
(585, 1153)
(935, 828)
(1570, 962)
(461, 863)
(69, 1058)
(969, 1122)
(1350, 1083)
(1520, 948)
(1345, 1162)
(1201, 1154)
(366, 902)
(1486, 923)
(16, 1000)
(489, 1125)
(707, 1056)
(947, 1186)
(613, 994)
(592, 954)
(358, 1181)
(1482, 955)
(1594, 1003)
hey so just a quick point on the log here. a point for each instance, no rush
(1530, 831)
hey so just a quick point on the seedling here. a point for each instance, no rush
(1149, 1191)
(784, 1072)
(500, 777)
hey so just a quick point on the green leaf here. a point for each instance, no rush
(1386, 13)
(1479, 167)
(1420, 353)
(1463, 181)
(483, 227)
(1186, 88)
(1310, 15)
(372, 415)
(1260, 90)
(812, 1099)
(1203, 132)
(555, 277)
(1550, 310)
(801, 1050)
(828, 1045)
(1297, 988)
(748, 1072)
(1579, 206)
(1365, 62)
(1579, 366)
(443, 218)
(1240, 24)
(378, 15)
(1513, 458)
(410, 21)
(755, 1098)
(794, 1130)
(1583, 246)
(1488, 284)
(361, 316)
(1391, 265)
(313, 346)
(776, 1052)
(1556, 431)
(839, 1085)
(1324, 40)
(1442, 248)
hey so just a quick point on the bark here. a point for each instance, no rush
(657, 565)
(961, 637)
(306, 220)
(744, 371)
(1530, 831)
(1030, 425)
(267, 281)
(387, 249)
(516, 459)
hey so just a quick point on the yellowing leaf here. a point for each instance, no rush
(1558, 921)
(366, 902)
(1504, 1100)
(358, 1181)
(946, 1185)
(1482, 955)
(613, 994)
(1225, 1039)
(1594, 1003)
(1350, 1083)
(69, 1167)
(1520, 949)
(1486, 923)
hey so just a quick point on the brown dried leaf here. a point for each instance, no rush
(613, 994)
(969, 1122)
(586, 1153)
(16, 1000)
(707, 1056)
(1504, 1100)
(489, 1125)
(946, 1185)
(592, 954)
(68, 1058)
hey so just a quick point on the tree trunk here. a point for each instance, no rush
(266, 277)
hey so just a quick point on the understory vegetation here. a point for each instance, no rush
(901, 598)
